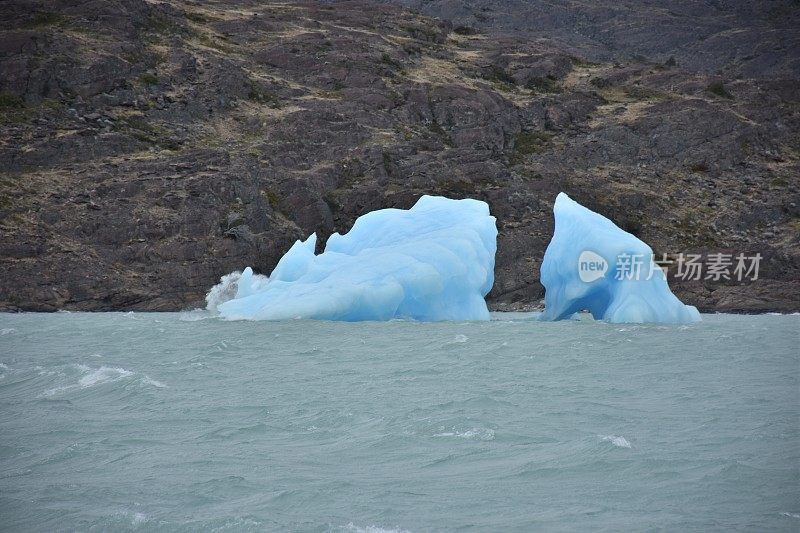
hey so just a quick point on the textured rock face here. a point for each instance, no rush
(148, 148)
(737, 39)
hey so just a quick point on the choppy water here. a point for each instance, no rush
(165, 422)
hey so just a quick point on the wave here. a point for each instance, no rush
(620, 442)
(370, 529)
(155, 383)
(138, 518)
(483, 434)
(195, 315)
(226, 289)
(102, 375)
(97, 376)
(458, 339)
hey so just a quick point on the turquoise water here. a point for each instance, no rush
(172, 422)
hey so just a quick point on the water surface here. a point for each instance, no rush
(175, 422)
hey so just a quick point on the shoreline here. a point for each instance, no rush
(203, 310)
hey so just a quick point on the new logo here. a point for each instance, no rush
(591, 266)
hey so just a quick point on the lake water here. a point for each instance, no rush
(177, 422)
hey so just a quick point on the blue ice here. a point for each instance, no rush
(434, 261)
(591, 264)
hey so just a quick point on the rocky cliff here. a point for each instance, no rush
(147, 148)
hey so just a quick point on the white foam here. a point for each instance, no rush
(41, 371)
(223, 291)
(458, 339)
(97, 376)
(371, 529)
(227, 287)
(470, 434)
(7, 331)
(150, 381)
(4, 366)
(791, 515)
(620, 442)
(103, 375)
(195, 315)
(53, 392)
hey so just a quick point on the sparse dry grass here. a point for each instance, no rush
(435, 72)
(605, 114)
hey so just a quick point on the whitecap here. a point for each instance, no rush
(147, 380)
(41, 371)
(103, 375)
(371, 529)
(56, 390)
(470, 434)
(791, 515)
(7, 331)
(195, 315)
(228, 286)
(458, 339)
(620, 442)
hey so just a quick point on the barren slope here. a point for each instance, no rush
(148, 148)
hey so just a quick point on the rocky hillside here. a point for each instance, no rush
(147, 148)
(750, 39)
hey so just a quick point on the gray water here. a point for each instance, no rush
(172, 422)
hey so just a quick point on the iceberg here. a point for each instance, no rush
(591, 264)
(434, 261)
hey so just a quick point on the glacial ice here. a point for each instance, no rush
(434, 261)
(592, 264)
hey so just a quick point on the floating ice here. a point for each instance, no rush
(592, 264)
(434, 261)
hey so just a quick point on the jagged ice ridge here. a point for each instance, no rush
(591, 264)
(434, 261)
